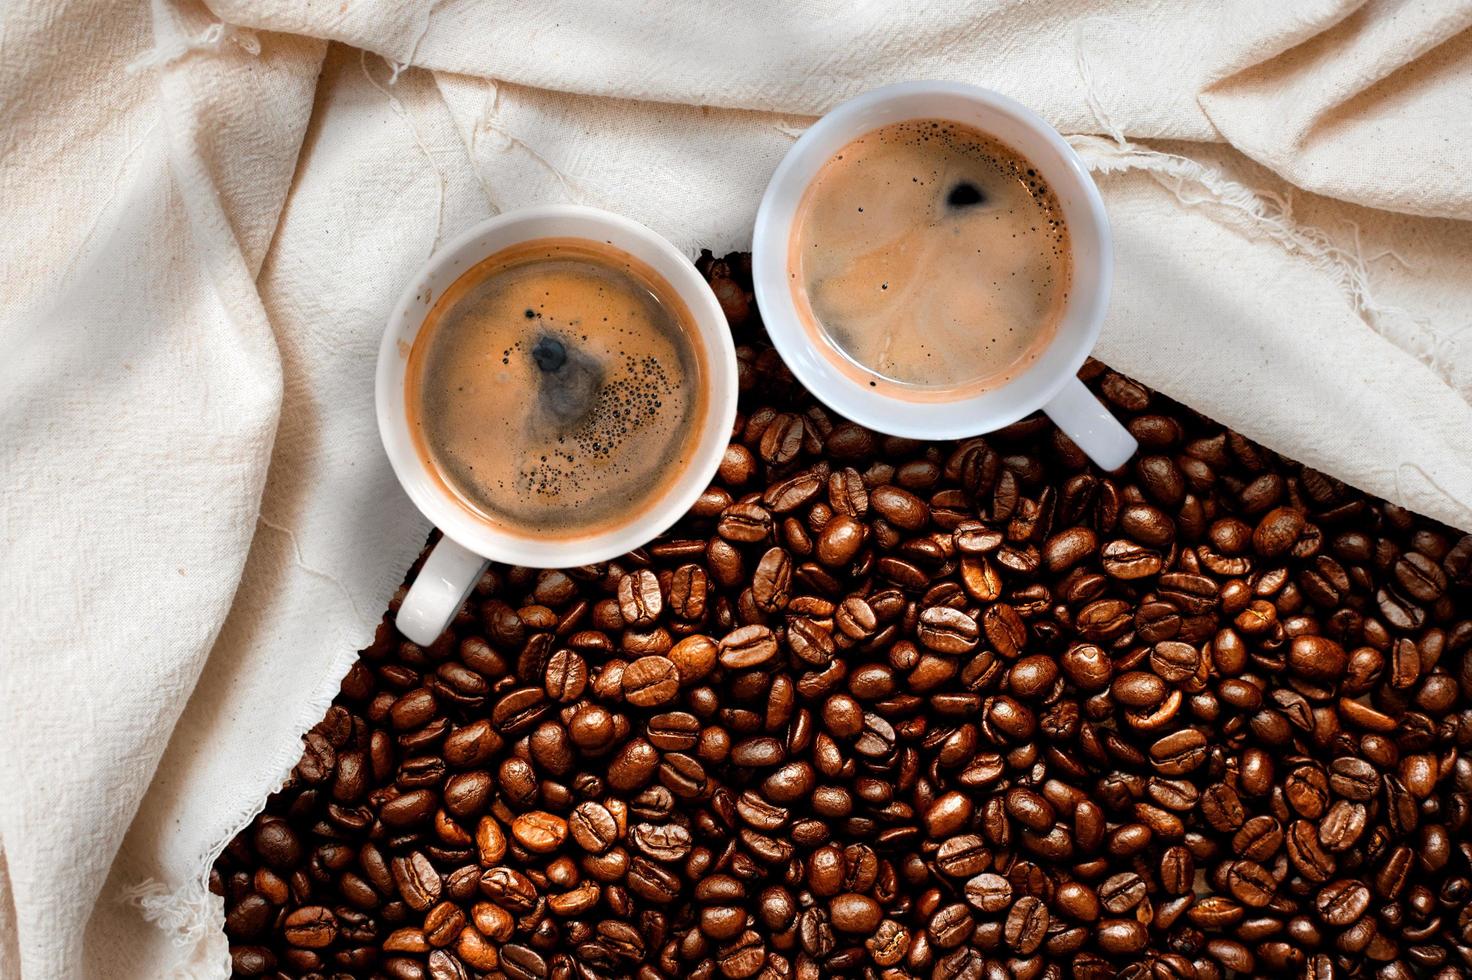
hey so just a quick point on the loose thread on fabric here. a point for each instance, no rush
(495, 206)
(792, 130)
(396, 68)
(489, 122)
(212, 38)
(402, 113)
(296, 550)
(1195, 184)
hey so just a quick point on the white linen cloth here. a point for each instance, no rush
(209, 207)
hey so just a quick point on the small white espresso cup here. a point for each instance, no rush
(471, 541)
(1051, 382)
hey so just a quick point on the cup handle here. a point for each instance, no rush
(439, 590)
(1085, 420)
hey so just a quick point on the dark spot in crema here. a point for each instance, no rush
(965, 194)
(532, 314)
(550, 354)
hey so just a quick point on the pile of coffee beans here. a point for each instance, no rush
(883, 708)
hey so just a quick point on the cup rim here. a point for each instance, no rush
(418, 297)
(945, 419)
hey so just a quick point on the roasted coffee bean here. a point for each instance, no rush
(673, 731)
(743, 956)
(651, 681)
(446, 966)
(443, 923)
(946, 630)
(1005, 629)
(566, 676)
(855, 619)
(1278, 531)
(962, 856)
(1177, 870)
(466, 793)
(509, 889)
(1316, 657)
(682, 775)
(1121, 937)
(1088, 667)
(408, 809)
(882, 707)
(747, 647)
(249, 917)
(788, 495)
(1250, 883)
(574, 901)
(539, 832)
(1306, 789)
(310, 927)
(593, 827)
(771, 584)
(854, 913)
(782, 439)
(639, 598)
(745, 523)
(519, 710)
(811, 643)
(1138, 689)
(418, 882)
(1341, 903)
(991, 893)
(1026, 925)
(1353, 778)
(520, 962)
(952, 925)
(661, 842)
(1259, 839)
(1122, 892)
(722, 922)
(840, 540)
(1307, 854)
(694, 658)
(901, 508)
(1175, 662)
(1178, 753)
(472, 744)
(1068, 548)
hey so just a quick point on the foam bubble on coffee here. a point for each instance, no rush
(556, 388)
(930, 260)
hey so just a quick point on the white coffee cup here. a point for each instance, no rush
(471, 541)
(1051, 382)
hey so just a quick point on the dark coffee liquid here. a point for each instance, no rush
(557, 388)
(930, 260)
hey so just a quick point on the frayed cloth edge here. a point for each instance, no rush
(1269, 214)
(212, 38)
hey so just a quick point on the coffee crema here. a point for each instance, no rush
(557, 388)
(930, 260)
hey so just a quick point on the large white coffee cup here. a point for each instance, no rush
(1051, 382)
(471, 541)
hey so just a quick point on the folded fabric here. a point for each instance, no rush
(211, 208)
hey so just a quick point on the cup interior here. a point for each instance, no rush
(504, 543)
(1083, 211)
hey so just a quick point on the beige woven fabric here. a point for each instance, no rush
(210, 208)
